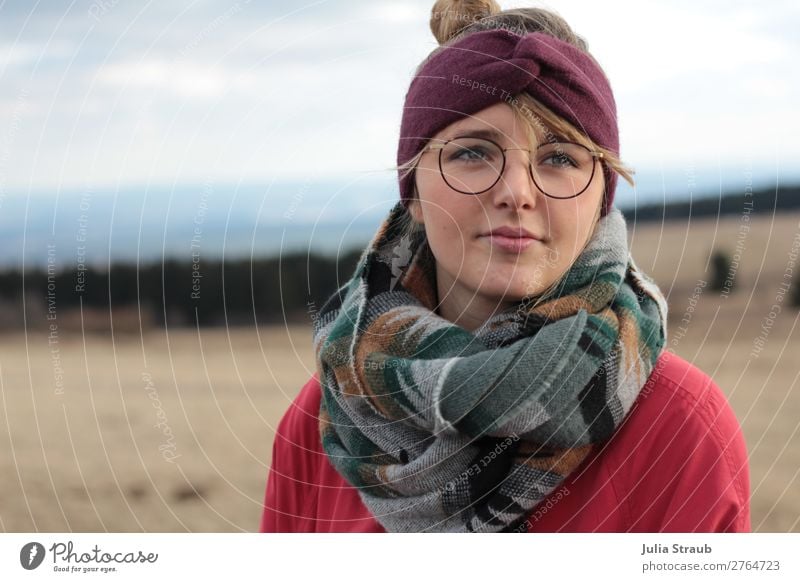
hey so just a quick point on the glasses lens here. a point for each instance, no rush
(562, 170)
(471, 165)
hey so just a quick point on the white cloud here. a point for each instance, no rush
(185, 79)
(14, 55)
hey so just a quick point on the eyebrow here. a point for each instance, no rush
(489, 133)
(493, 134)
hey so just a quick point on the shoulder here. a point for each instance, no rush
(684, 453)
(672, 369)
(290, 502)
(683, 401)
(677, 391)
(299, 426)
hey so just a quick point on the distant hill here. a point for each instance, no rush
(763, 201)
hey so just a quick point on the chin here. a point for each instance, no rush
(498, 292)
(511, 280)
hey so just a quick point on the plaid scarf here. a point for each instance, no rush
(446, 430)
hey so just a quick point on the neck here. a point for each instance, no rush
(465, 308)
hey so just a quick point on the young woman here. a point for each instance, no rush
(497, 362)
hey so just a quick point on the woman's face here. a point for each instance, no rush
(476, 273)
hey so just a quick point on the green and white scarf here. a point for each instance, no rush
(446, 430)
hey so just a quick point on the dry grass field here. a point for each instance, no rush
(172, 430)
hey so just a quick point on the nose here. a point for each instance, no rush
(516, 189)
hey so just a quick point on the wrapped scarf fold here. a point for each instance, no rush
(446, 430)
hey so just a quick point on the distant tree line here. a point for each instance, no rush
(234, 292)
(763, 201)
(286, 289)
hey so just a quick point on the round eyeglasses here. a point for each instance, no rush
(473, 165)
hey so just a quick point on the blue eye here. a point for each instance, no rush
(559, 160)
(471, 151)
(475, 153)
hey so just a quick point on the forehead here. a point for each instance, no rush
(499, 122)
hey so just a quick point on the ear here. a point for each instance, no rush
(415, 210)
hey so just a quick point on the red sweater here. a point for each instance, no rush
(678, 463)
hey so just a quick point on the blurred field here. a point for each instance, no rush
(172, 430)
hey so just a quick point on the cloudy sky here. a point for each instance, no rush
(117, 92)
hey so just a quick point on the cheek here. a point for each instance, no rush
(447, 221)
(565, 222)
(445, 212)
(571, 226)
(445, 231)
(427, 178)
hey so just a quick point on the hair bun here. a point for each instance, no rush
(449, 17)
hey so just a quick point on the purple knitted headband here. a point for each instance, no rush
(492, 66)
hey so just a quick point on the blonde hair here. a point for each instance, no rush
(454, 19)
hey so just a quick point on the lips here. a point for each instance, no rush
(511, 239)
(513, 232)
